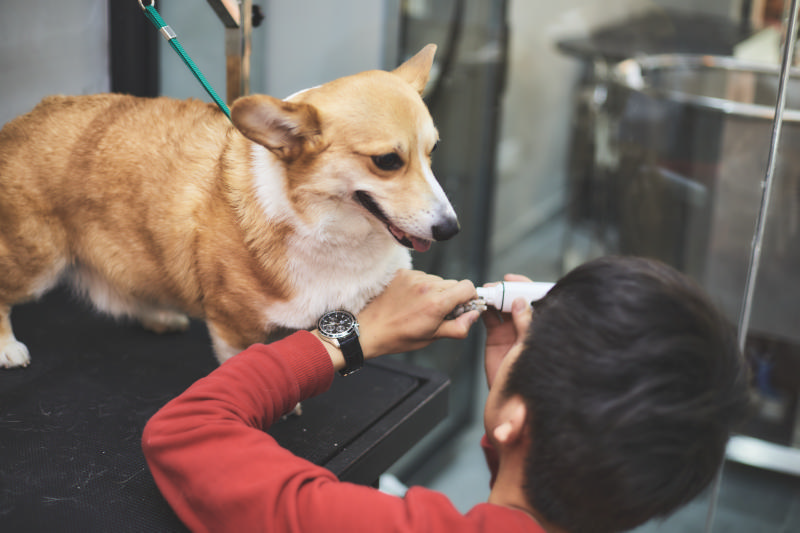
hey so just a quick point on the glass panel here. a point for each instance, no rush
(463, 97)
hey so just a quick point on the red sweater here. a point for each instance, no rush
(220, 471)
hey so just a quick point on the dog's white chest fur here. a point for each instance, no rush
(336, 281)
(336, 258)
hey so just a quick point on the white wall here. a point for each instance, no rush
(49, 47)
(202, 35)
(537, 109)
(300, 44)
(310, 42)
(61, 47)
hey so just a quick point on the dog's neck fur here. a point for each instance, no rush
(354, 259)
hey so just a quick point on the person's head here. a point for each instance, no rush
(632, 383)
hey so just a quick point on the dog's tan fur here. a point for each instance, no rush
(155, 207)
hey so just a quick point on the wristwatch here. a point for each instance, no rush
(340, 328)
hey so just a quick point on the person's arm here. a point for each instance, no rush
(208, 451)
(504, 331)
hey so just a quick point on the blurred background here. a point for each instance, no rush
(569, 129)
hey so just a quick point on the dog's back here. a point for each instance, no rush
(78, 173)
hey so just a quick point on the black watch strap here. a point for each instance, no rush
(353, 356)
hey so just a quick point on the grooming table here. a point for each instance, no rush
(71, 423)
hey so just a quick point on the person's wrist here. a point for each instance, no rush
(334, 352)
(367, 343)
(366, 335)
(373, 336)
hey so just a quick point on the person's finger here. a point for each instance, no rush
(516, 277)
(521, 313)
(492, 317)
(456, 293)
(459, 327)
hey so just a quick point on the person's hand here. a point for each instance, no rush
(409, 313)
(505, 331)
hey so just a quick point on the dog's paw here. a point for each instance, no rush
(297, 411)
(161, 321)
(13, 354)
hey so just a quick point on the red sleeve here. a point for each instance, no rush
(220, 471)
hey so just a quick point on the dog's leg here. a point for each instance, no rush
(222, 348)
(23, 279)
(12, 352)
(228, 341)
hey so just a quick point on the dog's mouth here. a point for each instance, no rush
(409, 241)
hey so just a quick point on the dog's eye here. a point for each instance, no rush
(390, 161)
(435, 146)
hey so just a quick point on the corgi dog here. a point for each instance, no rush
(160, 209)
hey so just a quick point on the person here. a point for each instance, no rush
(610, 403)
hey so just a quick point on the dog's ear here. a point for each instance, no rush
(288, 129)
(417, 69)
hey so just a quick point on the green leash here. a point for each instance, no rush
(172, 38)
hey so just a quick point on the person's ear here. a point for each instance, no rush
(511, 422)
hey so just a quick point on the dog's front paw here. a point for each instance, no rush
(161, 321)
(13, 354)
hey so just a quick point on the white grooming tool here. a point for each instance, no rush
(502, 295)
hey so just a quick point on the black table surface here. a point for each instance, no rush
(71, 422)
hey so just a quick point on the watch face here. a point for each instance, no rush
(336, 324)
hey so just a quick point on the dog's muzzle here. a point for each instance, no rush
(440, 232)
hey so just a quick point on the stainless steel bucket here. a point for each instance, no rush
(692, 137)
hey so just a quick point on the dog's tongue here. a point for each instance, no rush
(419, 245)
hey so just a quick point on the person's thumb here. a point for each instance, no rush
(521, 313)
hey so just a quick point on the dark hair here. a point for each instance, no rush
(633, 383)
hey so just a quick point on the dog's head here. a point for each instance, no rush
(364, 141)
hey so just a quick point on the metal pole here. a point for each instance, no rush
(758, 238)
(712, 504)
(777, 124)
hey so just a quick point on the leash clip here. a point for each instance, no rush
(152, 4)
(167, 32)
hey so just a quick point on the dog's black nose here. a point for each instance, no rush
(445, 230)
